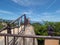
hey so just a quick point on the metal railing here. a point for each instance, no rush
(18, 23)
(18, 20)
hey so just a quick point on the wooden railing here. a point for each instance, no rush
(28, 36)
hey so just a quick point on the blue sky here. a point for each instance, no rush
(36, 10)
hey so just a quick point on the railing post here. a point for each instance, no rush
(5, 39)
(18, 27)
(23, 41)
(21, 23)
(14, 41)
(13, 31)
(33, 41)
(24, 21)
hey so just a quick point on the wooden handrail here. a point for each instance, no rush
(31, 36)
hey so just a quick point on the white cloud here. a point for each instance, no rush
(47, 16)
(51, 4)
(58, 11)
(5, 12)
(30, 2)
(51, 16)
(8, 15)
(28, 13)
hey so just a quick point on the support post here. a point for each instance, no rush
(33, 41)
(14, 41)
(5, 39)
(23, 41)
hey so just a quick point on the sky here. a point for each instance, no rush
(36, 10)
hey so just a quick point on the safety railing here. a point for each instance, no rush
(18, 24)
(28, 36)
(18, 21)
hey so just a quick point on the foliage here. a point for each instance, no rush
(42, 29)
(5, 21)
(1, 26)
